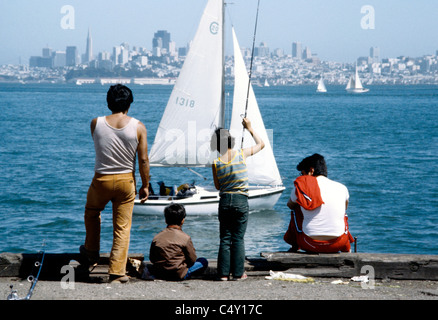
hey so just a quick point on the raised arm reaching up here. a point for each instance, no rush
(259, 142)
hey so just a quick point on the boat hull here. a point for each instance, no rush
(358, 90)
(205, 202)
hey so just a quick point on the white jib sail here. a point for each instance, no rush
(262, 167)
(350, 84)
(194, 109)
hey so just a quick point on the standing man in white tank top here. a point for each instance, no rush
(117, 138)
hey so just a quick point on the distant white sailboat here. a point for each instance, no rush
(321, 86)
(196, 107)
(354, 85)
(266, 84)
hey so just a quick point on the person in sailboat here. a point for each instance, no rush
(185, 191)
(166, 190)
(231, 179)
(319, 222)
(118, 139)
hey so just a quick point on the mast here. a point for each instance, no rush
(222, 112)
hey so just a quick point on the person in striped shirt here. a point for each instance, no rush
(231, 179)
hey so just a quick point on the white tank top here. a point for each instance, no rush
(115, 148)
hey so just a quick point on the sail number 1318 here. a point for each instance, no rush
(185, 102)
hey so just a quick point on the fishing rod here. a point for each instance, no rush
(39, 264)
(250, 66)
(197, 173)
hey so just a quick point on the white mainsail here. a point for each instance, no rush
(357, 82)
(194, 109)
(262, 167)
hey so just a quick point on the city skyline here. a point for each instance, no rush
(162, 45)
(336, 32)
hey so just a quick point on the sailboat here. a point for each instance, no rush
(321, 86)
(354, 85)
(195, 109)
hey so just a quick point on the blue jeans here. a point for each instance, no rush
(198, 267)
(233, 221)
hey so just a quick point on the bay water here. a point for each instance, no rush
(383, 145)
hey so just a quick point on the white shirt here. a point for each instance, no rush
(328, 219)
(115, 148)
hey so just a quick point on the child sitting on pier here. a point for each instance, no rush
(172, 252)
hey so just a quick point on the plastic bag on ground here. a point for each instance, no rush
(288, 277)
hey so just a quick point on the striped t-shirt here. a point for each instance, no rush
(233, 175)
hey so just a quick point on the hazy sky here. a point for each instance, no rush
(337, 30)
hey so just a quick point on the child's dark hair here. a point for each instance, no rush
(174, 214)
(221, 140)
(119, 98)
(315, 161)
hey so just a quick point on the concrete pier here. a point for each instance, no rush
(383, 265)
(397, 277)
(346, 265)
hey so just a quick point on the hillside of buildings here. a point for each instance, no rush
(162, 64)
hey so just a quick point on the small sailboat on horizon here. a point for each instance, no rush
(354, 85)
(321, 86)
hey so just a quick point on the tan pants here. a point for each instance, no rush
(120, 190)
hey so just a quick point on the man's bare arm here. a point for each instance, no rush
(143, 162)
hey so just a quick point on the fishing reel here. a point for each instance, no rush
(33, 280)
(13, 295)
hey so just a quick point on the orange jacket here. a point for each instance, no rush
(308, 192)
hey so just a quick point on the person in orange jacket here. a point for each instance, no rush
(319, 221)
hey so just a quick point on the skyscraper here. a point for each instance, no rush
(121, 54)
(297, 51)
(89, 51)
(59, 59)
(71, 56)
(307, 53)
(375, 54)
(262, 50)
(124, 55)
(47, 52)
(116, 52)
(161, 40)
